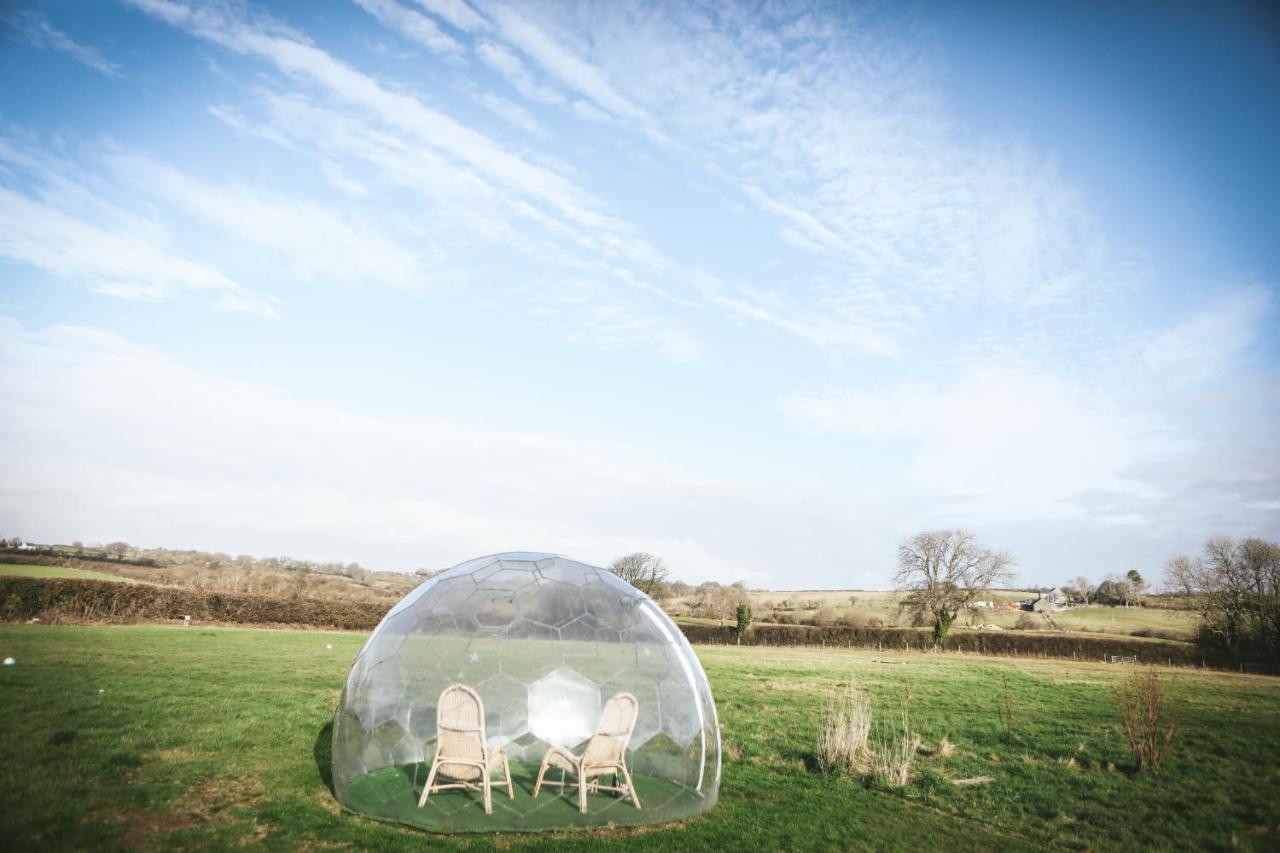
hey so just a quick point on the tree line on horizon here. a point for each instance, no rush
(1234, 586)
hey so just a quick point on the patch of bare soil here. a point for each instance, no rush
(208, 802)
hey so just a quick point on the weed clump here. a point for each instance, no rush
(843, 731)
(1006, 711)
(894, 753)
(1149, 728)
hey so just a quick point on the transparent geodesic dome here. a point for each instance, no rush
(545, 641)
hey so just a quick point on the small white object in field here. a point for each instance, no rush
(100, 690)
(328, 645)
(186, 621)
(9, 661)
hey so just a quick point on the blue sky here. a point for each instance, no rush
(760, 289)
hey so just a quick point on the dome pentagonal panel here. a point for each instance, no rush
(539, 652)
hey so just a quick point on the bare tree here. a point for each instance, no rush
(643, 570)
(1238, 587)
(944, 570)
(1180, 575)
(1084, 589)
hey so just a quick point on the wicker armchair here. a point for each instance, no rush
(461, 754)
(606, 753)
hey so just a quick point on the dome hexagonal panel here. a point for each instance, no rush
(564, 708)
(538, 644)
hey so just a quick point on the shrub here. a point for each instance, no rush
(1155, 634)
(22, 599)
(825, 616)
(1026, 622)
(843, 731)
(1147, 726)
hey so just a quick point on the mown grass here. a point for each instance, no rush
(24, 571)
(161, 737)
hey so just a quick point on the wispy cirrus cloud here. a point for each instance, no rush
(37, 31)
(512, 113)
(559, 61)
(457, 13)
(304, 240)
(294, 55)
(413, 25)
(506, 63)
(56, 221)
(839, 132)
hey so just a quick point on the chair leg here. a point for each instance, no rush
(542, 771)
(506, 768)
(582, 791)
(488, 795)
(631, 786)
(426, 789)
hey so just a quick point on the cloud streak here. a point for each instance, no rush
(414, 26)
(40, 33)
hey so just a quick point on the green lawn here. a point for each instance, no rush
(167, 737)
(59, 572)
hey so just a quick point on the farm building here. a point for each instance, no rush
(1053, 599)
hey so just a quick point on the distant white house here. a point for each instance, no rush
(26, 546)
(1051, 600)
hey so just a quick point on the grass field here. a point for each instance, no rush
(21, 571)
(160, 737)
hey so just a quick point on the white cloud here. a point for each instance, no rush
(40, 33)
(512, 113)
(314, 242)
(509, 66)
(1167, 428)
(126, 442)
(414, 26)
(1017, 440)
(556, 195)
(110, 261)
(836, 327)
(589, 311)
(560, 62)
(840, 132)
(1208, 342)
(456, 12)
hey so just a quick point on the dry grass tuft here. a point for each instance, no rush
(1148, 727)
(945, 749)
(843, 731)
(973, 780)
(892, 760)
